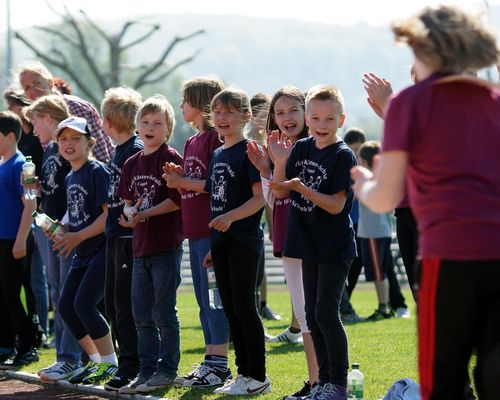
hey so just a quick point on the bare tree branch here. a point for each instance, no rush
(154, 28)
(142, 78)
(61, 65)
(96, 27)
(170, 70)
(59, 34)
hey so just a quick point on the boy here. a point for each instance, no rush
(119, 108)
(153, 211)
(453, 192)
(319, 229)
(15, 223)
(375, 232)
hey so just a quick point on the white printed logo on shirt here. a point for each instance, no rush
(114, 181)
(312, 175)
(50, 167)
(144, 186)
(193, 168)
(76, 204)
(221, 172)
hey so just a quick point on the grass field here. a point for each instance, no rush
(385, 350)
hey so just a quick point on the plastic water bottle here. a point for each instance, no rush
(213, 290)
(29, 177)
(355, 383)
(46, 223)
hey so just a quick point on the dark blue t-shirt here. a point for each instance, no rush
(11, 190)
(87, 192)
(115, 203)
(54, 171)
(313, 234)
(229, 183)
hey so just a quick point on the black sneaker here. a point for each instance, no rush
(90, 368)
(379, 315)
(22, 359)
(116, 383)
(6, 356)
(207, 376)
(302, 393)
(267, 313)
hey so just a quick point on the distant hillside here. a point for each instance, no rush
(259, 54)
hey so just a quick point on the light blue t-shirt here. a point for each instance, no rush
(11, 190)
(372, 225)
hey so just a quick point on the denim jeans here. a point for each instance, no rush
(67, 347)
(39, 278)
(213, 322)
(155, 280)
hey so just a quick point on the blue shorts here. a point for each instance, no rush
(375, 254)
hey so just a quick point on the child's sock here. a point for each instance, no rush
(96, 357)
(218, 362)
(111, 358)
(207, 359)
(294, 330)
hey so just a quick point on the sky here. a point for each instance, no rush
(26, 13)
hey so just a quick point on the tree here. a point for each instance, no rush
(75, 33)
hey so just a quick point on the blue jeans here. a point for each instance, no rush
(155, 280)
(213, 322)
(67, 347)
(39, 278)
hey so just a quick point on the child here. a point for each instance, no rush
(197, 94)
(119, 108)
(375, 233)
(319, 229)
(15, 223)
(237, 203)
(153, 211)
(443, 134)
(45, 114)
(286, 114)
(83, 289)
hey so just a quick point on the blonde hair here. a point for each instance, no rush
(120, 106)
(326, 92)
(448, 39)
(158, 103)
(37, 68)
(198, 93)
(52, 105)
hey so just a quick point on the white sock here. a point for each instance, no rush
(111, 358)
(96, 357)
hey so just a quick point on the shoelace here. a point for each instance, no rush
(202, 371)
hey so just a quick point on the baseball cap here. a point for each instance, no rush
(76, 123)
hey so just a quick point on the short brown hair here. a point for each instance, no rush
(53, 105)
(120, 106)
(198, 93)
(368, 150)
(231, 97)
(449, 39)
(326, 92)
(158, 103)
(10, 122)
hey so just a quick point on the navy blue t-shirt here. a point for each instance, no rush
(87, 192)
(115, 203)
(54, 171)
(229, 183)
(313, 234)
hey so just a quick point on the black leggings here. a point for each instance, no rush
(406, 229)
(82, 291)
(236, 273)
(323, 286)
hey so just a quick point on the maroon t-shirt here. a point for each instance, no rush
(451, 132)
(280, 222)
(196, 206)
(141, 178)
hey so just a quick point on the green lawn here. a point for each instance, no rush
(385, 350)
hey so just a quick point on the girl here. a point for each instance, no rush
(153, 210)
(287, 115)
(86, 189)
(45, 114)
(196, 97)
(236, 203)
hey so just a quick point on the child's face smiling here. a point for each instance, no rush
(289, 116)
(324, 119)
(153, 130)
(228, 121)
(73, 146)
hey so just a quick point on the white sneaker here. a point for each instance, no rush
(229, 383)
(59, 371)
(403, 312)
(287, 336)
(243, 385)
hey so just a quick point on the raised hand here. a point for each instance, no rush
(279, 146)
(379, 90)
(259, 158)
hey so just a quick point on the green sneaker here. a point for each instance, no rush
(104, 372)
(90, 368)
